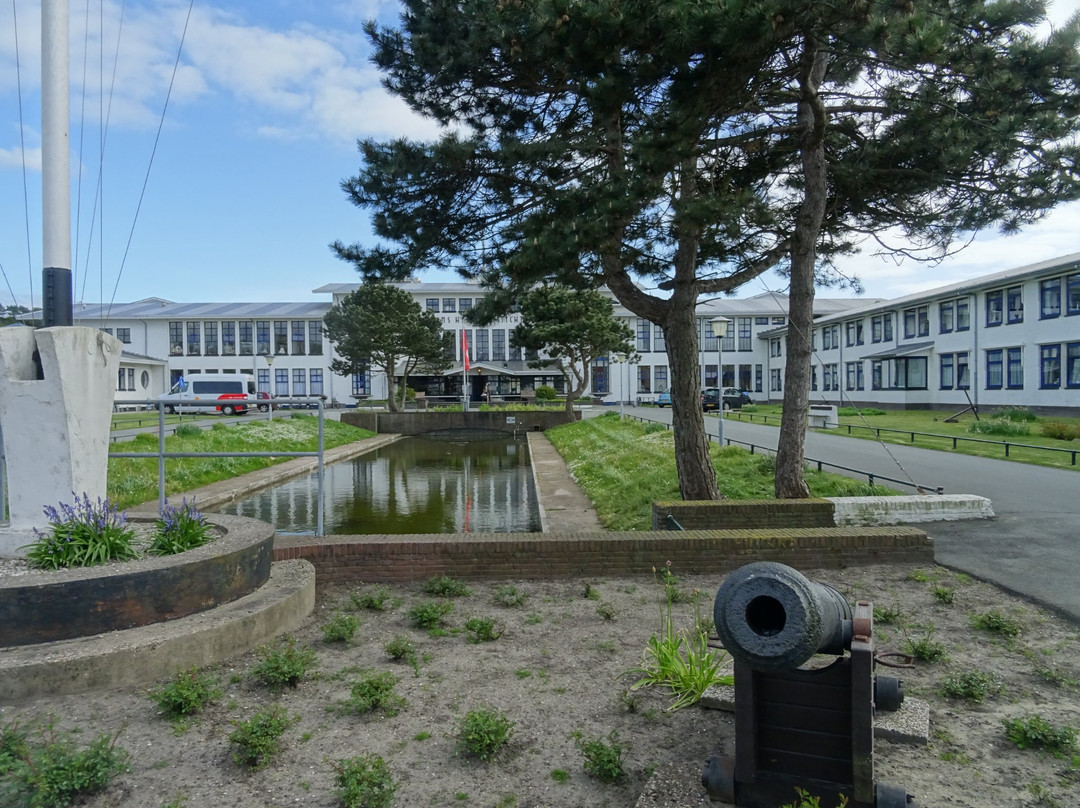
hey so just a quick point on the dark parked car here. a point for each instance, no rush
(733, 398)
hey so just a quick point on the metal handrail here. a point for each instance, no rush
(820, 464)
(912, 433)
(162, 455)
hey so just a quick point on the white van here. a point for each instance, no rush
(234, 388)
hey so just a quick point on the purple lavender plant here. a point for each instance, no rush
(83, 534)
(179, 528)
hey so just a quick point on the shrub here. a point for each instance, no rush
(1016, 415)
(1036, 732)
(508, 595)
(482, 629)
(888, 615)
(82, 535)
(258, 739)
(996, 623)
(446, 587)
(45, 768)
(179, 528)
(283, 665)
(373, 598)
(850, 411)
(926, 648)
(187, 431)
(340, 627)
(364, 782)
(375, 691)
(606, 610)
(186, 693)
(546, 392)
(999, 426)
(1059, 430)
(484, 732)
(973, 686)
(603, 759)
(944, 595)
(400, 648)
(430, 613)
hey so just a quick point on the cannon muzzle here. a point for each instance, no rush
(772, 618)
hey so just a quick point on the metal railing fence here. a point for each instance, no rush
(163, 455)
(912, 434)
(809, 461)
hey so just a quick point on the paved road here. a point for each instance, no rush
(1031, 548)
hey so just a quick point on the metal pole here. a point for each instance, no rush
(720, 385)
(55, 166)
(161, 457)
(321, 495)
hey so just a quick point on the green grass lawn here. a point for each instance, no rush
(133, 481)
(872, 425)
(624, 466)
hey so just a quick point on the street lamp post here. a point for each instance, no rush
(720, 328)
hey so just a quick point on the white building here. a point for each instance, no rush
(1003, 339)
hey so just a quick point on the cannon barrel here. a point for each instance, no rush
(770, 617)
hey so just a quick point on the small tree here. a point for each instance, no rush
(383, 327)
(572, 327)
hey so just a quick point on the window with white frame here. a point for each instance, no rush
(644, 331)
(774, 346)
(1049, 366)
(361, 383)
(449, 305)
(124, 335)
(644, 379)
(482, 353)
(299, 382)
(1014, 305)
(946, 316)
(176, 338)
(432, 304)
(995, 369)
(660, 378)
(315, 378)
(314, 338)
(1072, 295)
(1072, 364)
(746, 334)
(281, 381)
(995, 307)
(1050, 299)
(854, 372)
(194, 343)
(774, 380)
(464, 304)
(498, 344)
(947, 371)
(963, 373)
(299, 329)
(854, 332)
(659, 342)
(263, 380)
(963, 314)
(600, 384)
(228, 338)
(1014, 368)
(210, 331)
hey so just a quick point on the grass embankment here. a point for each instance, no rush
(624, 466)
(133, 481)
(866, 422)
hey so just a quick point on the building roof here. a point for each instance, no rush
(158, 309)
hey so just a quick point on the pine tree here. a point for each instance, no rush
(689, 146)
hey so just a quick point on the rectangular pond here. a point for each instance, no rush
(454, 482)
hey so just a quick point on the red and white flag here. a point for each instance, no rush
(465, 349)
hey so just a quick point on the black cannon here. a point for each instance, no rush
(796, 727)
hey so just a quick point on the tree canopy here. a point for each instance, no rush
(676, 150)
(382, 326)
(572, 327)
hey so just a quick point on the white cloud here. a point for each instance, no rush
(13, 158)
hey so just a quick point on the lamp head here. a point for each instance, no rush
(720, 326)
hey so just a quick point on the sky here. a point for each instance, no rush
(242, 187)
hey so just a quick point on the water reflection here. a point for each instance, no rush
(451, 484)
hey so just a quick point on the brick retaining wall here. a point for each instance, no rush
(744, 513)
(385, 558)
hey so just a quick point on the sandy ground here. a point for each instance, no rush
(555, 671)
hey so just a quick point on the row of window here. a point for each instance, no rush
(450, 305)
(1004, 370)
(1003, 307)
(739, 337)
(304, 381)
(245, 338)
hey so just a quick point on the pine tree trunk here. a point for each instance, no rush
(391, 391)
(697, 476)
(790, 453)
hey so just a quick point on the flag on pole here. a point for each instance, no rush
(465, 349)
